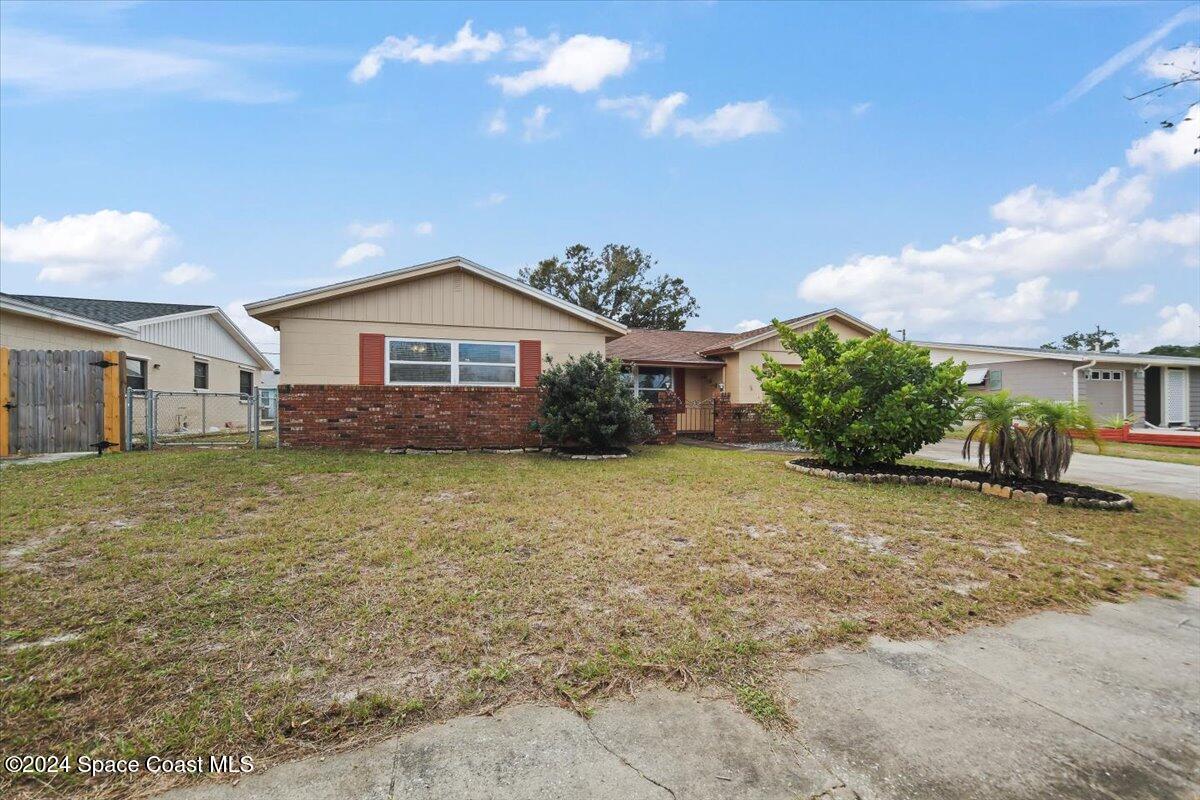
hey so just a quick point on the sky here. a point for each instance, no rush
(968, 172)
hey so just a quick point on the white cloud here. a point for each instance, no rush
(357, 253)
(581, 63)
(1178, 324)
(1139, 296)
(535, 125)
(969, 281)
(729, 122)
(1173, 64)
(82, 247)
(1171, 149)
(370, 230)
(1127, 55)
(498, 123)
(263, 336)
(524, 47)
(423, 229)
(859, 109)
(41, 64)
(465, 47)
(187, 273)
(748, 325)
(493, 199)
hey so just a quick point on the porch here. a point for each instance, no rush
(695, 387)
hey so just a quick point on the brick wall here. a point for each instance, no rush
(741, 423)
(429, 417)
(665, 414)
(425, 417)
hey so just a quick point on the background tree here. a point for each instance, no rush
(1190, 350)
(1099, 339)
(615, 283)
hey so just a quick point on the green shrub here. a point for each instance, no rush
(859, 402)
(587, 403)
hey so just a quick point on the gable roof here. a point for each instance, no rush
(123, 317)
(1078, 356)
(737, 341)
(113, 312)
(647, 345)
(267, 310)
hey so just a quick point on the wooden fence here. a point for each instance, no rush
(60, 401)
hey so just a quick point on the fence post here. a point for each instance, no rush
(203, 413)
(127, 433)
(253, 413)
(151, 418)
(278, 417)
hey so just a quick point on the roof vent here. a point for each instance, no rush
(457, 283)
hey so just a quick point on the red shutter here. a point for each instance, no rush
(678, 383)
(370, 358)
(531, 361)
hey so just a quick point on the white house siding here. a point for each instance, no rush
(1137, 393)
(1194, 395)
(200, 334)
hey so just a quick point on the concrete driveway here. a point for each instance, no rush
(1103, 705)
(1176, 480)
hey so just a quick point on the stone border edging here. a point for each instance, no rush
(984, 487)
(445, 451)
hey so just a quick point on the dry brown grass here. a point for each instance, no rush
(281, 603)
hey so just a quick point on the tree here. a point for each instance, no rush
(860, 402)
(1189, 350)
(1097, 340)
(1051, 445)
(587, 403)
(1001, 444)
(615, 284)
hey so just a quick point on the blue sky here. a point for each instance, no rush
(969, 172)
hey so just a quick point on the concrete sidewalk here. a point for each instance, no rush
(1104, 705)
(1158, 477)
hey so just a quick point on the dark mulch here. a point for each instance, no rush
(1055, 491)
(595, 451)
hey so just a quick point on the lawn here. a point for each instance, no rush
(1142, 452)
(282, 603)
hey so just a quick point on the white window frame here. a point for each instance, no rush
(638, 391)
(454, 362)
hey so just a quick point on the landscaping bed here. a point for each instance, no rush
(1052, 492)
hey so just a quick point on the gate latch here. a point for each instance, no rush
(10, 405)
(103, 363)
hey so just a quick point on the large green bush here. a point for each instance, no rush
(859, 402)
(587, 403)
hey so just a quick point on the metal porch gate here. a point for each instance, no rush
(696, 417)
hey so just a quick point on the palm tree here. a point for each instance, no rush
(1050, 443)
(998, 440)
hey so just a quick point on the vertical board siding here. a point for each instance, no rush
(200, 334)
(1194, 395)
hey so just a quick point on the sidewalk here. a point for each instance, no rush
(1056, 706)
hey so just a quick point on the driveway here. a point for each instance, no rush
(1176, 480)
(1103, 705)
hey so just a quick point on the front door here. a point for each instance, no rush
(1176, 397)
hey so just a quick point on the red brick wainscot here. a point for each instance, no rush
(372, 417)
(425, 417)
(741, 423)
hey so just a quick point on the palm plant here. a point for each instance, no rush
(1050, 443)
(1002, 447)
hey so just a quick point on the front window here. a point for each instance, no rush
(135, 373)
(416, 361)
(199, 375)
(648, 382)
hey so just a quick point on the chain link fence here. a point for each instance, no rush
(201, 419)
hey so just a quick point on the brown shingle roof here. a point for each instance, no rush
(672, 347)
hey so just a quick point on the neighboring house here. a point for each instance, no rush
(443, 354)
(1163, 391)
(168, 346)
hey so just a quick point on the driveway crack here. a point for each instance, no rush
(625, 761)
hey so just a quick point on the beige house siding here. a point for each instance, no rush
(1039, 377)
(740, 380)
(700, 384)
(453, 298)
(169, 368)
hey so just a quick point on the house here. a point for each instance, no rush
(439, 355)
(1159, 391)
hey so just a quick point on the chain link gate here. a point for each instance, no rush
(200, 419)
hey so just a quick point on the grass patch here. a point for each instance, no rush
(281, 603)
